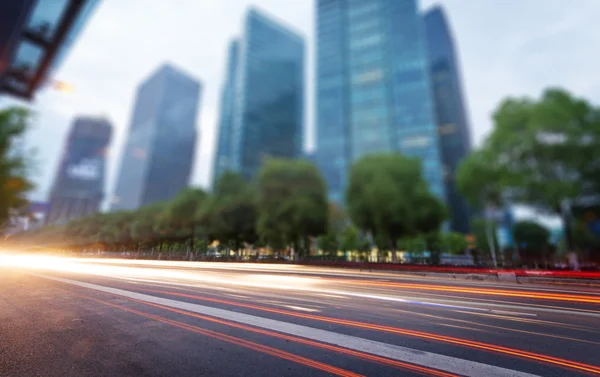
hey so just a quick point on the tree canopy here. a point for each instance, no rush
(230, 215)
(542, 152)
(532, 240)
(388, 197)
(14, 162)
(292, 203)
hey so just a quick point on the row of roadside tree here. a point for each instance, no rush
(543, 152)
(285, 209)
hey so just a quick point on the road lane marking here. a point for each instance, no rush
(471, 323)
(300, 308)
(237, 296)
(481, 291)
(238, 341)
(345, 351)
(328, 295)
(513, 313)
(409, 300)
(404, 354)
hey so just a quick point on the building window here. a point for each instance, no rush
(358, 28)
(370, 40)
(361, 8)
(420, 141)
(447, 129)
(368, 77)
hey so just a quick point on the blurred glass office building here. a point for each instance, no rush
(35, 37)
(78, 188)
(373, 90)
(267, 108)
(451, 115)
(223, 156)
(158, 156)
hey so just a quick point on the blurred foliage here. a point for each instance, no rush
(388, 198)
(541, 152)
(292, 204)
(230, 214)
(532, 240)
(454, 243)
(482, 251)
(285, 207)
(328, 243)
(14, 163)
(350, 239)
(583, 239)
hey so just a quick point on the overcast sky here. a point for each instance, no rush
(506, 47)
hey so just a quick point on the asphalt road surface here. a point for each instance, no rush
(86, 317)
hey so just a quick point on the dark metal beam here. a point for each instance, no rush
(66, 23)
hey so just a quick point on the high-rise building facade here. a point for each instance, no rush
(158, 155)
(373, 91)
(223, 155)
(78, 188)
(267, 108)
(451, 114)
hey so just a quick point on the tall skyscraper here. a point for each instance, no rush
(267, 108)
(223, 155)
(158, 156)
(373, 88)
(79, 184)
(451, 115)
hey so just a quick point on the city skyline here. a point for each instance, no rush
(103, 84)
(161, 143)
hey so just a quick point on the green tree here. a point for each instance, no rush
(182, 214)
(328, 243)
(350, 240)
(542, 152)
(482, 244)
(454, 243)
(14, 163)
(478, 179)
(144, 223)
(230, 215)
(292, 203)
(338, 220)
(388, 198)
(585, 241)
(112, 229)
(532, 240)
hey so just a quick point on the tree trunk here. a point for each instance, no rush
(566, 221)
(192, 239)
(297, 252)
(306, 245)
(393, 250)
(490, 238)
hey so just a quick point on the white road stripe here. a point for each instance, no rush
(513, 313)
(451, 304)
(301, 308)
(409, 355)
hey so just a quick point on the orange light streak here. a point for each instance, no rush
(362, 355)
(238, 341)
(419, 334)
(482, 291)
